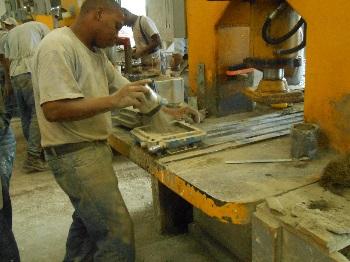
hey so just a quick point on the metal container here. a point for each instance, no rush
(172, 89)
(304, 140)
(153, 102)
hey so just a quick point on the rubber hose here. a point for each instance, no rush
(279, 40)
(294, 49)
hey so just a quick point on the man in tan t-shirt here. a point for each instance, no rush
(72, 79)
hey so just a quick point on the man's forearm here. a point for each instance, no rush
(6, 64)
(154, 44)
(132, 94)
(76, 109)
(150, 48)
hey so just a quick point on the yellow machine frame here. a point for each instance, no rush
(327, 94)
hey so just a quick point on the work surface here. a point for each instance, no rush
(315, 214)
(227, 192)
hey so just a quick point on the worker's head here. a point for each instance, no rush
(9, 23)
(104, 19)
(130, 18)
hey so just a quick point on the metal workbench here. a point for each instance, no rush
(228, 193)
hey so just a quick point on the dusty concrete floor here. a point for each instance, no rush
(42, 215)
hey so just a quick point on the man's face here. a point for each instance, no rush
(128, 20)
(108, 26)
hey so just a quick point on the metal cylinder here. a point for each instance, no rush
(273, 73)
(304, 140)
(153, 101)
(261, 9)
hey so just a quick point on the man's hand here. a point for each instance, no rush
(132, 94)
(186, 113)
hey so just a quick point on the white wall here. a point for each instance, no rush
(138, 7)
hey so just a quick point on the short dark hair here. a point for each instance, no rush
(126, 12)
(89, 5)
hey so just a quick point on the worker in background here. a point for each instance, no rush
(8, 245)
(179, 53)
(147, 38)
(73, 108)
(7, 104)
(10, 100)
(20, 47)
(9, 23)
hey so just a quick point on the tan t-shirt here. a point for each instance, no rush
(21, 44)
(149, 29)
(64, 68)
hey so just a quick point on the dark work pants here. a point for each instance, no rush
(8, 246)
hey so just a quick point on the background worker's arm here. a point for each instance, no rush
(132, 94)
(6, 64)
(149, 49)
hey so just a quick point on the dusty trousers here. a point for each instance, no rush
(7, 153)
(23, 88)
(102, 229)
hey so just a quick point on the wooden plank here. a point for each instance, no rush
(313, 223)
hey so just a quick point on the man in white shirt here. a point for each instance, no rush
(20, 47)
(147, 37)
(7, 105)
(179, 53)
(7, 24)
(72, 79)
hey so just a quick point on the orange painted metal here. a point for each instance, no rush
(327, 93)
(202, 17)
(234, 213)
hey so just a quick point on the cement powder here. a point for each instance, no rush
(160, 123)
(336, 175)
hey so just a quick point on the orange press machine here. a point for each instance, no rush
(252, 31)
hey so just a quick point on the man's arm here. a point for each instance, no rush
(132, 94)
(6, 64)
(149, 49)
